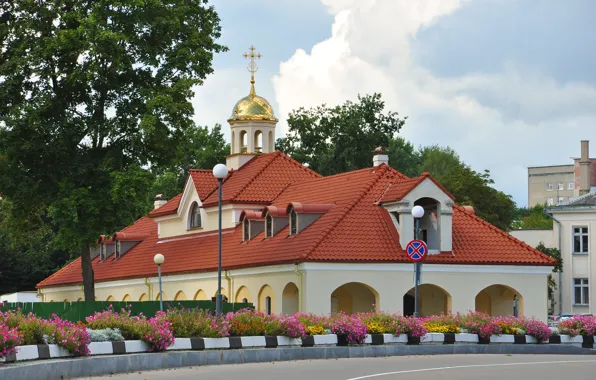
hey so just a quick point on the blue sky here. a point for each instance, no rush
(507, 83)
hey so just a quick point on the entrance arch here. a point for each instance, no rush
(180, 296)
(499, 301)
(354, 297)
(143, 297)
(289, 301)
(432, 300)
(127, 298)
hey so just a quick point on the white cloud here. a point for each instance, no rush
(503, 122)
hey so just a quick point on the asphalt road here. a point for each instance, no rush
(445, 367)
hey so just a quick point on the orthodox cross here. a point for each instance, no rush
(252, 64)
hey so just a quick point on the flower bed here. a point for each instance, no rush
(159, 332)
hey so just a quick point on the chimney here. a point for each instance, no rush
(380, 157)
(159, 201)
(584, 169)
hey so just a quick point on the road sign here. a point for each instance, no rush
(416, 250)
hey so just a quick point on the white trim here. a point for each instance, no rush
(185, 194)
(455, 268)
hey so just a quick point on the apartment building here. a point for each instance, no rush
(556, 184)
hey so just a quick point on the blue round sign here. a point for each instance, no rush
(416, 250)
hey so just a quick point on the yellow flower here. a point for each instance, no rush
(375, 328)
(315, 330)
(434, 327)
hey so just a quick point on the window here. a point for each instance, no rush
(581, 291)
(560, 200)
(245, 300)
(268, 304)
(194, 216)
(571, 186)
(580, 239)
(550, 202)
(268, 226)
(559, 186)
(549, 187)
(293, 222)
(245, 230)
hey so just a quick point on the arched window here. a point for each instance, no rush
(293, 222)
(258, 141)
(194, 218)
(268, 305)
(268, 226)
(243, 142)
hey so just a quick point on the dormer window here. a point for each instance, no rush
(194, 217)
(268, 226)
(293, 222)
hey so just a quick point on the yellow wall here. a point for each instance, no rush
(320, 282)
(180, 296)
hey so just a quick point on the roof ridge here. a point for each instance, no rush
(57, 272)
(351, 205)
(501, 232)
(268, 162)
(296, 163)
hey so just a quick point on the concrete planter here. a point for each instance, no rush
(181, 344)
(101, 348)
(509, 339)
(133, 346)
(330, 339)
(216, 343)
(287, 341)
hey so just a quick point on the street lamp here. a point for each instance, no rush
(159, 259)
(417, 213)
(220, 172)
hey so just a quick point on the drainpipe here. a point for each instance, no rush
(561, 252)
(148, 285)
(299, 274)
(230, 284)
(41, 295)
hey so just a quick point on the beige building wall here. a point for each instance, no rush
(323, 288)
(576, 265)
(535, 237)
(550, 184)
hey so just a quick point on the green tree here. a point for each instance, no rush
(403, 157)
(532, 218)
(468, 186)
(26, 253)
(341, 138)
(91, 92)
(551, 284)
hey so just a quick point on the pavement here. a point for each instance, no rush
(445, 367)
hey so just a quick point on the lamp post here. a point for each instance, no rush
(159, 259)
(220, 171)
(417, 213)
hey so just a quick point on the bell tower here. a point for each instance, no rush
(252, 122)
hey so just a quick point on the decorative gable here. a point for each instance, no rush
(436, 226)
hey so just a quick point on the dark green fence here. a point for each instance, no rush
(78, 311)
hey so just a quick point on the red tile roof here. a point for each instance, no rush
(402, 187)
(354, 229)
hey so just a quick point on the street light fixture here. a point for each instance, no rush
(220, 172)
(417, 213)
(159, 259)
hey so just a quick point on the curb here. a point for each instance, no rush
(52, 351)
(102, 365)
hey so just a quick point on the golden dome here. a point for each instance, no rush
(253, 107)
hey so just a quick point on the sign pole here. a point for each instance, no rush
(416, 270)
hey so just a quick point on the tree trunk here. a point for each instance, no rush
(88, 281)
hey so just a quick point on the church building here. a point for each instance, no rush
(294, 240)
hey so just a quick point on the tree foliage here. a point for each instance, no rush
(468, 186)
(91, 92)
(339, 139)
(532, 218)
(551, 283)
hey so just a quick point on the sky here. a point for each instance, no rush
(507, 84)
